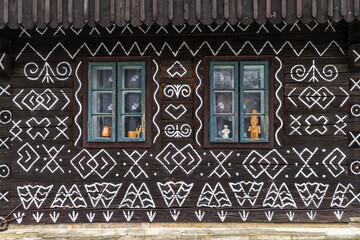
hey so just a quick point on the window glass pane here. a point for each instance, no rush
(101, 127)
(223, 102)
(254, 76)
(132, 126)
(132, 102)
(224, 127)
(254, 127)
(132, 77)
(224, 77)
(102, 77)
(102, 102)
(254, 100)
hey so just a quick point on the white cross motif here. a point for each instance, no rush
(64, 128)
(4, 143)
(220, 170)
(3, 196)
(306, 165)
(5, 90)
(356, 84)
(297, 122)
(135, 169)
(341, 120)
(16, 135)
(52, 165)
(354, 139)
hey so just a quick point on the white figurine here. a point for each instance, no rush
(225, 132)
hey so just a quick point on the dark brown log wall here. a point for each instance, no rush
(310, 176)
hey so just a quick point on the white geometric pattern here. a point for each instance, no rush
(187, 159)
(28, 157)
(86, 164)
(272, 164)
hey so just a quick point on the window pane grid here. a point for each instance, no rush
(131, 93)
(254, 102)
(101, 120)
(224, 95)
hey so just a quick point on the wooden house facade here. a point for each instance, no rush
(179, 111)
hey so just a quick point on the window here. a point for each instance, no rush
(239, 102)
(118, 102)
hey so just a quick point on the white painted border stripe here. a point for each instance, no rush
(201, 103)
(280, 103)
(77, 100)
(157, 104)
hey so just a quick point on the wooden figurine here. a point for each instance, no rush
(254, 128)
(225, 132)
(135, 134)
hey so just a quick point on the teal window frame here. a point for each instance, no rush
(121, 90)
(239, 115)
(117, 106)
(235, 110)
(91, 91)
(265, 127)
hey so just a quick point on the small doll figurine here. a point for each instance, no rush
(225, 132)
(254, 128)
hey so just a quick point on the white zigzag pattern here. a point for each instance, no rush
(149, 46)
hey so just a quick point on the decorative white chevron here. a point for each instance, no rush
(333, 162)
(246, 191)
(298, 51)
(279, 197)
(69, 198)
(200, 215)
(27, 157)
(174, 193)
(213, 197)
(312, 192)
(103, 192)
(175, 72)
(137, 197)
(222, 215)
(176, 112)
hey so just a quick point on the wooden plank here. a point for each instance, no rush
(283, 8)
(198, 9)
(149, 20)
(41, 14)
(65, 14)
(142, 11)
(162, 10)
(20, 12)
(13, 14)
(299, 9)
(220, 19)
(336, 7)
(78, 14)
(276, 11)
(226, 9)
(356, 8)
(97, 11)
(47, 11)
(86, 11)
(262, 12)
(206, 13)
(291, 16)
(178, 18)
(27, 14)
(127, 10)
(59, 9)
(306, 11)
(239, 9)
(190, 9)
(104, 11)
(232, 18)
(70, 11)
(171, 10)
(34, 11)
(247, 17)
(322, 11)
(155, 10)
(120, 13)
(135, 13)
(112, 10)
(213, 9)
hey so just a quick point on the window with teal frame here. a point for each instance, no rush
(116, 102)
(239, 101)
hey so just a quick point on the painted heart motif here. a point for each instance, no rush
(176, 111)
